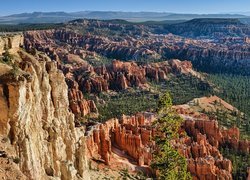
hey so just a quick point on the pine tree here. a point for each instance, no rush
(168, 162)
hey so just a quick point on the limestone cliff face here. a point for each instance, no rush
(35, 117)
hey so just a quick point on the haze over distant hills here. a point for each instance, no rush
(243, 13)
(58, 17)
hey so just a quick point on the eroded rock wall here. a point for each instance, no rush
(217, 136)
(35, 117)
(123, 75)
(133, 135)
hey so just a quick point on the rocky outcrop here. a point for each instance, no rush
(130, 134)
(118, 76)
(9, 161)
(216, 136)
(36, 119)
(208, 137)
(122, 75)
(197, 122)
(204, 160)
(78, 105)
(11, 42)
(133, 135)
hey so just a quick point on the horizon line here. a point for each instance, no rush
(226, 13)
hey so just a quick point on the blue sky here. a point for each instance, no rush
(179, 6)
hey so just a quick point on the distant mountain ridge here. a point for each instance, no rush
(59, 17)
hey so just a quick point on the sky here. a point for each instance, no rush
(8, 7)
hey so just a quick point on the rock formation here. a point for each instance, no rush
(122, 75)
(142, 43)
(207, 138)
(78, 105)
(117, 76)
(35, 119)
(197, 122)
(11, 42)
(132, 135)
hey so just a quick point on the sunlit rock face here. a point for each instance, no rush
(11, 42)
(35, 117)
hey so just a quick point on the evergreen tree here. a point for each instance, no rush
(167, 161)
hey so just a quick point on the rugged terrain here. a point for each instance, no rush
(55, 85)
(133, 134)
(35, 119)
(210, 28)
(226, 49)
